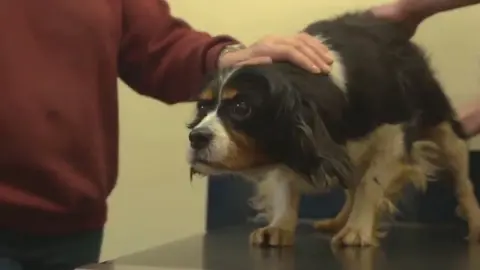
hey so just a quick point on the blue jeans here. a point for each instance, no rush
(53, 252)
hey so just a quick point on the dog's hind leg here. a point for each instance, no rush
(387, 171)
(337, 223)
(360, 152)
(455, 149)
(370, 196)
(384, 165)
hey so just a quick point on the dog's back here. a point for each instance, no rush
(385, 77)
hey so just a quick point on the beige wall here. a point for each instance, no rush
(154, 203)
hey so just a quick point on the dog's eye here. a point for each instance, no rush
(240, 110)
(203, 107)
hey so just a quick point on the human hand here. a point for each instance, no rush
(470, 118)
(403, 12)
(301, 49)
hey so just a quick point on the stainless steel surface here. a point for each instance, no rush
(406, 247)
(127, 267)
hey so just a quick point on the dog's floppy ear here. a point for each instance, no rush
(320, 158)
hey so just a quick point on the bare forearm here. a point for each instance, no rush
(444, 5)
(470, 117)
(426, 8)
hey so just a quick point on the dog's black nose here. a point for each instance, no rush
(200, 138)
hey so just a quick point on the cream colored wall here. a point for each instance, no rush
(154, 203)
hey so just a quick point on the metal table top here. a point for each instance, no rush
(405, 247)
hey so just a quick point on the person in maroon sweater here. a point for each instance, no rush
(59, 63)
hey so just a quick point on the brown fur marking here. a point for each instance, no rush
(243, 152)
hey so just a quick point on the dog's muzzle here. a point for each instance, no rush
(200, 138)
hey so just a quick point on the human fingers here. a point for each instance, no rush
(324, 57)
(283, 51)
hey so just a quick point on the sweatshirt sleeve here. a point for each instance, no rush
(162, 56)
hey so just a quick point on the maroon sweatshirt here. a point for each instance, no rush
(59, 62)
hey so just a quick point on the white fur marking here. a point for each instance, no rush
(277, 196)
(281, 201)
(337, 73)
(218, 148)
(224, 77)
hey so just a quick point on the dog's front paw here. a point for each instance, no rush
(272, 237)
(328, 225)
(473, 225)
(352, 235)
(474, 231)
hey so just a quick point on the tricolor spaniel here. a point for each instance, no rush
(377, 121)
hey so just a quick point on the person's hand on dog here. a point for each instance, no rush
(410, 13)
(469, 116)
(301, 49)
(406, 12)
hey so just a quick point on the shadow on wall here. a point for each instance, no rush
(228, 196)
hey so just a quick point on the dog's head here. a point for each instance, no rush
(256, 116)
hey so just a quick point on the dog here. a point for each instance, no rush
(378, 121)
